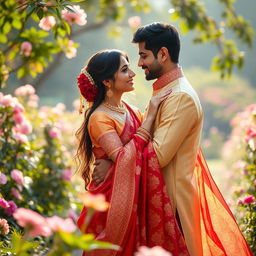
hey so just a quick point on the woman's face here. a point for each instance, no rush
(123, 77)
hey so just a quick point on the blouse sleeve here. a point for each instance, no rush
(102, 130)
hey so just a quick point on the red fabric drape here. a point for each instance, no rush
(221, 235)
(140, 212)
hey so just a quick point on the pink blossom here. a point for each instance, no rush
(4, 203)
(47, 23)
(54, 133)
(250, 133)
(11, 209)
(35, 224)
(18, 118)
(33, 101)
(17, 176)
(3, 179)
(72, 215)
(67, 174)
(20, 137)
(24, 90)
(70, 50)
(4, 227)
(154, 251)
(249, 199)
(26, 48)
(56, 223)
(18, 108)
(134, 22)
(15, 192)
(97, 202)
(78, 16)
(25, 128)
(7, 100)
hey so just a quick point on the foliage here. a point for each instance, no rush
(26, 49)
(194, 16)
(240, 153)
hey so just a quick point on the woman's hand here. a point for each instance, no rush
(154, 103)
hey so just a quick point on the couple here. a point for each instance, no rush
(157, 182)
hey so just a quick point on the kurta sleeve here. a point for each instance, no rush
(178, 115)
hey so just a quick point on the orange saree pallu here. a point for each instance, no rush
(140, 211)
(221, 235)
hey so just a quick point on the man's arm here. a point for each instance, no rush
(178, 115)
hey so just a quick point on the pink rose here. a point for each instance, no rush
(78, 16)
(35, 224)
(11, 209)
(47, 23)
(25, 128)
(7, 100)
(20, 137)
(134, 22)
(4, 227)
(24, 90)
(56, 223)
(67, 174)
(249, 199)
(26, 48)
(154, 251)
(17, 176)
(4, 203)
(54, 133)
(18, 108)
(18, 118)
(15, 192)
(3, 179)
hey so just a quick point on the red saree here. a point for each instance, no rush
(140, 212)
(221, 235)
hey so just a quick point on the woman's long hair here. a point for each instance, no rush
(101, 66)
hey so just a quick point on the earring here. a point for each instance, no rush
(109, 93)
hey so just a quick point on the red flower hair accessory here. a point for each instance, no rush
(87, 87)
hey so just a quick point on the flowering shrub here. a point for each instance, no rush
(35, 179)
(240, 152)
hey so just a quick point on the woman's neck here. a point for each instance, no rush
(115, 100)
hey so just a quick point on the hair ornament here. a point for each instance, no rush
(88, 89)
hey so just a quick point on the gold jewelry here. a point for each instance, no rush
(121, 110)
(86, 73)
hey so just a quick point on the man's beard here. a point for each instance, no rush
(154, 72)
(152, 75)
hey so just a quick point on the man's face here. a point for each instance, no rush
(149, 63)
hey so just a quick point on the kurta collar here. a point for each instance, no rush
(167, 78)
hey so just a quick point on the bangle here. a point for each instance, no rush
(142, 136)
(145, 132)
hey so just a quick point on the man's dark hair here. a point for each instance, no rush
(157, 35)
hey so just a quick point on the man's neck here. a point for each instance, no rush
(168, 68)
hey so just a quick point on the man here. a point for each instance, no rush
(176, 136)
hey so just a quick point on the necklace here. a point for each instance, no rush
(121, 110)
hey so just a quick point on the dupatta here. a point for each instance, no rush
(221, 235)
(140, 211)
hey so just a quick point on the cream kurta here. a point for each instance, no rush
(176, 137)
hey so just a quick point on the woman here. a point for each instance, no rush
(140, 212)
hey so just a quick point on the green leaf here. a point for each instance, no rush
(16, 24)
(6, 28)
(21, 73)
(40, 13)
(184, 27)
(3, 38)
(77, 1)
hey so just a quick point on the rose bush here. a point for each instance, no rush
(240, 154)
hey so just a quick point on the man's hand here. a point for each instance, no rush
(100, 170)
